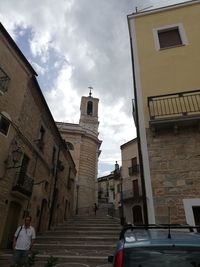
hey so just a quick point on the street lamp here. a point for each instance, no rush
(16, 156)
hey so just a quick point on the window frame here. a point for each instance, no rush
(5, 80)
(6, 117)
(182, 33)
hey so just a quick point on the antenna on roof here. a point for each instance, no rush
(140, 10)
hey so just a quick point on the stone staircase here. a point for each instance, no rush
(81, 241)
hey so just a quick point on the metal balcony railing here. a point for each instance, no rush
(23, 184)
(133, 170)
(129, 194)
(174, 105)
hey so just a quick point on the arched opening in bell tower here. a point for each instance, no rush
(89, 108)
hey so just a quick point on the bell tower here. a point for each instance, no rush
(89, 113)
(86, 150)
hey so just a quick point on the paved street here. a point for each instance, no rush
(82, 241)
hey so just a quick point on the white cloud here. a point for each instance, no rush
(39, 69)
(62, 99)
(79, 43)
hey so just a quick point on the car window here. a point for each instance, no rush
(161, 257)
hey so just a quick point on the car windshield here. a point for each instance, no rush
(161, 257)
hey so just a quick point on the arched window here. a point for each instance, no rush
(89, 108)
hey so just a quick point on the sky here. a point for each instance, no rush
(75, 44)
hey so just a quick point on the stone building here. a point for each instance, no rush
(82, 140)
(36, 169)
(165, 53)
(106, 186)
(131, 183)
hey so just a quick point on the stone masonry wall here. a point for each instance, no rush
(175, 171)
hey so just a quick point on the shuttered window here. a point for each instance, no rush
(169, 38)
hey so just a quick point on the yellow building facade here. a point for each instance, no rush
(165, 54)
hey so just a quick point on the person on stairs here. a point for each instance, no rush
(95, 208)
(22, 242)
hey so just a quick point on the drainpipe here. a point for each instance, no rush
(54, 191)
(144, 199)
(77, 192)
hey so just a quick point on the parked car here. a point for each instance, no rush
(157, 246)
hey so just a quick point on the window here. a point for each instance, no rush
(4, 81)
(134, 161)
(169, 36)
(23, 169)
(89, 108)
(135, 189)
(196, 212)
(118, 188)
(4, 123)
(133, 170)
(41, 134)
(40, 140)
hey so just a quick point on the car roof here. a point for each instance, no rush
(180, 236)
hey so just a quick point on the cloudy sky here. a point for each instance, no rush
(73, 44)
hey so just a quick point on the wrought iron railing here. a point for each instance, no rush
(174, 105)
(129, 194)
(133, 170)
(23, 184)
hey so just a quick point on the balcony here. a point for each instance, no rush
(129, 194)
(133, 170)
(178, 109)
(23, 185)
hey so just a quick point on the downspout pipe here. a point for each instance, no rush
(144, 199)
(54, 192)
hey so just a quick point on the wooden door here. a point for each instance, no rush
(11, 224)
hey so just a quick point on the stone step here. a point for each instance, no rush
(90, 218)
(83, 227)
(82, 233)
(64, 261)
(87, 224)
(71, 246)
(93, 222)
(74, 251)
(77, 239)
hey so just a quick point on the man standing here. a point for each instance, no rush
(22, 242)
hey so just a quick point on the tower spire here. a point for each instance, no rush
(90, 93)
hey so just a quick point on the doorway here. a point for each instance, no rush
(196, 212)
(11, 224)
(137, 215)
(42, 219)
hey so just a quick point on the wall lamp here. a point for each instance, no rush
(16, 156)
